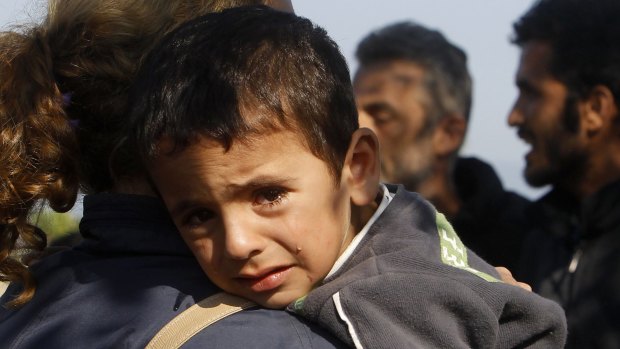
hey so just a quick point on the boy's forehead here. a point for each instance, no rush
(267, 144)
(259, 127)
(270, 159)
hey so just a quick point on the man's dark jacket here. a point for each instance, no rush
(131, 276)
(573, 257)
(491, 220)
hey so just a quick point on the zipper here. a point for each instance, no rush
(574, 262)
(577, 242)
(569, 295)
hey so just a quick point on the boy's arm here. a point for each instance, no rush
(529, 320)
(428, 310)
(393, 312)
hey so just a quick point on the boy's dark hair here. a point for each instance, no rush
(448, 79)
(243, 72)
(584, 36)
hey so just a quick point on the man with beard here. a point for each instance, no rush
(567, 111)
(414, 90)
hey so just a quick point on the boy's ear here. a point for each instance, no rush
(362, 167)
(449, 134)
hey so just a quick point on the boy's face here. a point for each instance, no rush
(264, 219)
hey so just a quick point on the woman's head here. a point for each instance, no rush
(63, 95)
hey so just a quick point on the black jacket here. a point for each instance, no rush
(130, 276)
(492, 221)
(573, 257)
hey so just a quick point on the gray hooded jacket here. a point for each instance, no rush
(410, 283)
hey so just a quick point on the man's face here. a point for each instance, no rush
(392, 101)
(539, 115)
(264, 219)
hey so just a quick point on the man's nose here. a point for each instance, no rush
(515, 117)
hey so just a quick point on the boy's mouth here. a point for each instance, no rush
(266, 281)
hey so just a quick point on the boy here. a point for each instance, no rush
(249, 127)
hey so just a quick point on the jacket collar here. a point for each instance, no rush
(560, 214)
(133, 224)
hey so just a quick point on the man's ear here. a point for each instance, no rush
(600, 110)
(362, 167)
(449, 134)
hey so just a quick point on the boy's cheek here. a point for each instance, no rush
(201, 247)
(190, 236)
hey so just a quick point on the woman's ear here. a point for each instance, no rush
(362, 167)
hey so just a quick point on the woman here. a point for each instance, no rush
(63, 93)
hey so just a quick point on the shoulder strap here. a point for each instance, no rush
(197, 317)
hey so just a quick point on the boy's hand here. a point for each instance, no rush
(507, 277)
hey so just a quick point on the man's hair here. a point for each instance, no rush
(446, 76)
(241, 73)
(584, 36)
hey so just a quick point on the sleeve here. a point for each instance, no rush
(528, 320)
(399, 312)
(431, 311)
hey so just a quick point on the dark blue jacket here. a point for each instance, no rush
(491, 221)
(130, 276)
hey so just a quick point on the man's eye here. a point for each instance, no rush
(198, 217)
(382, 118)
(380, 115)
(528, 91)
(402, 81)
(270, 197)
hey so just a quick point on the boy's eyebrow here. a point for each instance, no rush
(257, 182)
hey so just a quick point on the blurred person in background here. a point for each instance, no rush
(414, 90)
(567, 111)
(63, 96)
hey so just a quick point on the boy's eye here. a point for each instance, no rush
(270, 196)
(198, 217)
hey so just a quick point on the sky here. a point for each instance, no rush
(480, 27)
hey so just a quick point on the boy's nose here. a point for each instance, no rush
(242, 241)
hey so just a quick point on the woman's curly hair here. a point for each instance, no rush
(63, 95)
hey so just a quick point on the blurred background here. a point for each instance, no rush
(481, 27)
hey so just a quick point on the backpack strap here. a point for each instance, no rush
(197, 317)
